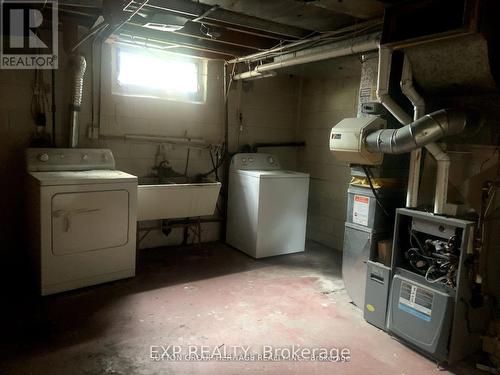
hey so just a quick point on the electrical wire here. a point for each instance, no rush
(217, 166)
(319, 42)
(187, 162)
(377, 198)
(414, 236)
(439, 279)
(214, 166)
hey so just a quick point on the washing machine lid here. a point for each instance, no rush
(281, 173)
(82, 177)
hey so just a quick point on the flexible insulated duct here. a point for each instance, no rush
(76, 98)
(419, 133)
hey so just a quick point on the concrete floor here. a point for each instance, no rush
(221, 297)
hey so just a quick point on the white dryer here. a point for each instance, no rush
(82, 218)
(267, 206)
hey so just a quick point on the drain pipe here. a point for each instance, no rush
(418, 111)
(76, 99)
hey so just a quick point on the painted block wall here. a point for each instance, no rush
(325, 101)
(265, 110)
(128, 115)
(266, 117)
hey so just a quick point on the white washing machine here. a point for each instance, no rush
(82, 218)
(267, 206)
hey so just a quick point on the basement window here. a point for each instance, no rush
(145, 72)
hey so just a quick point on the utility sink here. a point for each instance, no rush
(175, 197)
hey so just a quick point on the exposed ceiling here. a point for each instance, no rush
(313, 15)
(222, 28)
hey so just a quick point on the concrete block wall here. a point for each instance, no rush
(265, 110)
(127, 115)
(325, 101)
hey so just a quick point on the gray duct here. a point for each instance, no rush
(419, 133)
(76, 98)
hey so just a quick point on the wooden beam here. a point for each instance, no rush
(229, 37)
(184, 41)
(364, 9)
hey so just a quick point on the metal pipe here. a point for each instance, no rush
(425, 130)
(205, 14)
(96, 124)
(354, 46)
(442, 176)
(53, 106)
(116, 28)
(263, 54)
(76, 99)
(226, 86)
(171, 140)
(122, 37)
(409, 90)
(422, 132)
(384, 73)
(192, 9)
(256, 146)
(95, 30)
(418, 103)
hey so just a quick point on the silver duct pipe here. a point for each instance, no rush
(76, 99)
(420, 133)
(412, 139)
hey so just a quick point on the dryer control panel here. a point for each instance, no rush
(255, 161)
(68, 159)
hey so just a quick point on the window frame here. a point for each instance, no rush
(143, 91)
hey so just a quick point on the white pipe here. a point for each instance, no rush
(443, 160)
(346, 49)
(384, 73)
(442, 175)
(171, 140)
(252, 74)
(413, 178)
(418, 102)
(409, 90)
(264, 54)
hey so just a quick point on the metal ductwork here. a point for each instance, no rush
(79, 66)
(419, 133)
(461, 65)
